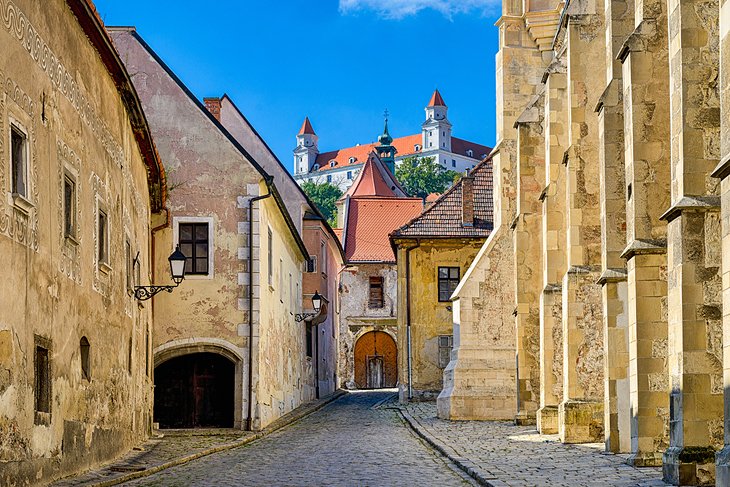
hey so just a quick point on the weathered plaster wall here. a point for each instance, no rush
(55, 86)
(429, 317)
(356, 318)
(281, 368)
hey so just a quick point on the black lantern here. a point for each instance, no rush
(316, 305)
(177, 270)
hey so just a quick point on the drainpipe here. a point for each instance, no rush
(249, 419)
(148, 353)
(316, 360)
(408, 317)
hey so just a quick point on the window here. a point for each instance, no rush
(349, 174)
(453, 162)
(69, 207)
(323, 253)
(42, 370)
(470, 153)
(376, 292)
(85, 364)
(332, 163)
(430, 133)
(312, 264)
(315, 167)
(103, 223)
(281, 280)
(416, 147)
(443, 144)
(193, 240)
(19, 161)
(310, 339)
(352, 160)
(329, 178)
(446, 343)
(271, 259)
(443, 133)
(448, 280)
(430, 144)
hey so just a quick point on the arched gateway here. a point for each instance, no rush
(376, 358)
(195, 390)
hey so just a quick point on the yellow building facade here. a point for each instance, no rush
(79, 180)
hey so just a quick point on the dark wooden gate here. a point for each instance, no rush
(195, 391)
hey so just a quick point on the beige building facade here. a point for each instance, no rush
(227, 349)
(609, 172)
(79, 182)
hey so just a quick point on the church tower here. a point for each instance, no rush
(306, 151)
(385, 148)
(436, 133)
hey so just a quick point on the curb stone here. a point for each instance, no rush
(275, 426)
(482, 477)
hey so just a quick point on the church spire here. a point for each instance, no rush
(385, 148)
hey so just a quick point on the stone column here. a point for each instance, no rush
(693, 245)
(646, 134)
(553, 247)
(480, 381)
(723, 172)
(580, 414)
(527, 243)
(617, 411)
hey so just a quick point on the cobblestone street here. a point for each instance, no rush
(348, 443)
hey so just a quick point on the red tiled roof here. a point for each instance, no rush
(436, 100)
(306, 127)
(370, 219)
(375, 179)
(403, 145)
(444, 217)
(432, 197)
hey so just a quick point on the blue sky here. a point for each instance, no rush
(341, 62)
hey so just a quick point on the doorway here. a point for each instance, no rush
(376, 361)
(195, 391)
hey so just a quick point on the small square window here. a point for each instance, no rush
(19, 161)
(448, 280)
(446, 343)
(193, 240)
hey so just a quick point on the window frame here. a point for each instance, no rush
(373, 301)
(22, 200)
(449, 346)
(176, 221)
(193, 242)
(448, 280)
(42, 379)
(72, 212)
(103, 247)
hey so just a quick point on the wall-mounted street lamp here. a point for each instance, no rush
(316, 304)
(177, 269)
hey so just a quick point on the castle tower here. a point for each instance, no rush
(306, 151)
(385, 148)
(436, 134)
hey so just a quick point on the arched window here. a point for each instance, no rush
(85, 360)
(470, 153)
(332, 163)
(416, 147)
(315, 167)
(352, 160)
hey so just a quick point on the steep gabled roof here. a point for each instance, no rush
(375, 179)
(443, 219)
(436, 100)
(369, 221)
(306, 127)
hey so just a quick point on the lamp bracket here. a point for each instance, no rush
(143, 293)
(303, 316)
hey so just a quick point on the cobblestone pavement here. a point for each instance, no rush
(347, 443)
(520, 456)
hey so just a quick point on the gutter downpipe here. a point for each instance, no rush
(249, 419)
(408, 317)
(148, 342)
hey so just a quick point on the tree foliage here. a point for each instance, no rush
(421, 176)
(324, 195)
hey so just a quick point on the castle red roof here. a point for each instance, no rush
(436, 100)
(306, 127)
(370, 219)
(404, 146)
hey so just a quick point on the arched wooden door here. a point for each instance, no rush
(376, 359)
(195, 391)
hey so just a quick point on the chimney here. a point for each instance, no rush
(214, 107)
(467, 200)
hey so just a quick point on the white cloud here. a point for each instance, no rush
(397, 9)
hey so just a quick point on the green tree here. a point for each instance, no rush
(421, 176)
(324, 195)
